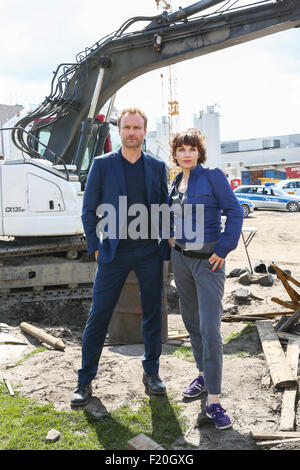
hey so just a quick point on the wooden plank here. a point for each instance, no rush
(284, 303)
(284, 276)
(6, 338)
(280, 370)
(288, 324)
(288, 336)
(182, 336)
(255, 316)
(231, 318)
(287, 418)
(9, 387)
(261, 435)
(295, 297)
(274, 443)
(142, 442)
(268, 314)
(271, 314)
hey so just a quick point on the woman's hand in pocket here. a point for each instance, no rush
(216, 261)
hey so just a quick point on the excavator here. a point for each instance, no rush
(42, 246)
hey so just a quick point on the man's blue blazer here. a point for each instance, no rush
(105, 183)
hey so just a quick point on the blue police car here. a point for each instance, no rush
(247, 206)
(268, 197)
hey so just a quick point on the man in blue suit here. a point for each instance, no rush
(138, 178)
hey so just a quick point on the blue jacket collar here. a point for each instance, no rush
(195, 171)
(119, 153)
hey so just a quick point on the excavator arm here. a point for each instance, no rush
(80, 91)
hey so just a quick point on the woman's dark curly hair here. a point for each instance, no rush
(192, 137)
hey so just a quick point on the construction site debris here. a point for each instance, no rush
(276, 442)
(248, 317)
(266, 281)
(241, 294)
(281, 373)
(245, 279)
(9, 387)
(6, 338)
(287, 418)
(290, 322)
(237, 272)
(260, 267)
(261, 435)
(285, 278)
(282, 335)
(52, 436)
(142, 442)
(42, 336)
(178, 336)
(271, 269)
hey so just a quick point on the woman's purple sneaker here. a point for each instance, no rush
(217, 414)
(195, 388)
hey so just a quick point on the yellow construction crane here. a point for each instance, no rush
(166, 7)
(173, 104)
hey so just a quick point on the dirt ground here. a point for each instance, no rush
(248, 393)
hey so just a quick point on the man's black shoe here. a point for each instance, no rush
(154, 385)
(81, 395)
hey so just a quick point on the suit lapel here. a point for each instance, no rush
(148, 176)
(119, 172)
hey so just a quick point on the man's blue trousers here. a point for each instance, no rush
(147, 265)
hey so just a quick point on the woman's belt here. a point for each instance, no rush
(193, 254)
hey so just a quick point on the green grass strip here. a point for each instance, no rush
(24, 424)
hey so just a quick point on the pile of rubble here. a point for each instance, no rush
(279, 333)
(264, 276)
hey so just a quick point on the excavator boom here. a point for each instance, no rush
(166, 40)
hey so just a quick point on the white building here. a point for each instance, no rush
(10, 151)
(7, 112)
(276, 152)
(208, 122)
(157, 142)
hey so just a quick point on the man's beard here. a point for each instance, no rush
(132, 143)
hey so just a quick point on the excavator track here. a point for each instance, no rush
(55, 294)
(40, 245)
(45, 269)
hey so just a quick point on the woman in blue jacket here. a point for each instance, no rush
(199, 247)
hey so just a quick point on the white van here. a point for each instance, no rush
(291, 186)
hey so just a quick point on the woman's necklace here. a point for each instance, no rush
(182, 187)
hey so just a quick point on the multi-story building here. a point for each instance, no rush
(6, 113)
(157, 141)
(267, 156)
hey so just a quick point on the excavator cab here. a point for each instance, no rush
(95, 146)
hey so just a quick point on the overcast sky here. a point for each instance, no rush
(256, 85)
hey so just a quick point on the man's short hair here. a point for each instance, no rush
(132, 111)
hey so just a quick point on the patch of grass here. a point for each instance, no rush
(242, 343)
(238, 354)
(238, 335)
(35, 351)
(184, 352)
(24, 424)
